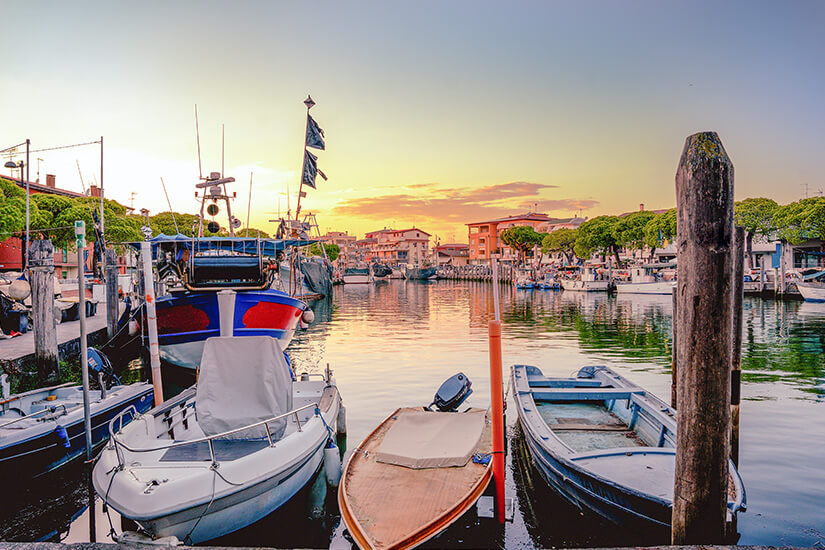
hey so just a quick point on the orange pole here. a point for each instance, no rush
(497, 407)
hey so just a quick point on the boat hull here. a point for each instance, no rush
(185, 321)
(584, 286)
(659, 287)
(811, 293)
(42, 451)
(419, 273)
(356, 279)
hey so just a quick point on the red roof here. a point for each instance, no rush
(530, 216)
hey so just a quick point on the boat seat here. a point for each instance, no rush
(584, 394)
(224, 450)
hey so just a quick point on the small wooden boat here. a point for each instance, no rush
(605, 444)
(387, 505)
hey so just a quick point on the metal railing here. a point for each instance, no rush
(208, 439)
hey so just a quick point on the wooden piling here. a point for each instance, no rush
(704, 192)
(673, 370)
(736, 358)
(112, 312)
(41, 261)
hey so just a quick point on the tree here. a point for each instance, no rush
(332, 250)
(629, 230)
(659, 229)
(521, 239)
(561, 240)
(756, 216)
(798, 221)
(597, 235)
(12, 209)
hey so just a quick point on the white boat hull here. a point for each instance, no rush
(357, 279)
(811, 293)
(584, 286)
(659, 287)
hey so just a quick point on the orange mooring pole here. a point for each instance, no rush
(497, 399)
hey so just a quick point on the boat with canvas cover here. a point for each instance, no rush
(43, 429)
(225, 453)
(416, 473)
(605, 444)
(648, 279)
(588, 280)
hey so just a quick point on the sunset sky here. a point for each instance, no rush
(436, 113)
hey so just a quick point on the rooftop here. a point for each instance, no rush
(529, 216)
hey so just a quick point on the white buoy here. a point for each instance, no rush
(19, 290)
(341, 421)
(308, 316)
(332, 465)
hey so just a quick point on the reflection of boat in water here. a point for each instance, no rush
(201, 465)
(647, 279)
(418, 273)
(587, 281)
(605, 444)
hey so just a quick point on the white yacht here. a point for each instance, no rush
(647, 279)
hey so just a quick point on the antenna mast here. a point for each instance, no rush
(198, 138)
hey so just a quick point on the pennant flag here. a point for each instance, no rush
(315, 136)
(322, 174)
(310, 169)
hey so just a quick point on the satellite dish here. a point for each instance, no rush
(213, 227)
(212, 210)
(236, 223)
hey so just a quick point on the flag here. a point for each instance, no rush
(310, 169)
(315, 136)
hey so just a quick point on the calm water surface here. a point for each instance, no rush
(391, 344)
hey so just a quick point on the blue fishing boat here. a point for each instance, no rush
(605, 444)
(42, 429)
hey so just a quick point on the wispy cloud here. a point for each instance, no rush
(428, 201)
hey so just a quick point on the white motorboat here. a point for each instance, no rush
(647, 279)
(812, 292)
(588, 281)
(358, 275)
(224, 453)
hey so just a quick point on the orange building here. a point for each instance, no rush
(484, 237)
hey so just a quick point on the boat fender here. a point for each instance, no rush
(63, 435)
(308, 316)
(332, 463)
(341, 421)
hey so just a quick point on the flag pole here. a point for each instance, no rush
(309, 103)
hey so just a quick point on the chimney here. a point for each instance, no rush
(641, 207)
(50, 181)
(94, 191)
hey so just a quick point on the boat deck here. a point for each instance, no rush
(588, 426)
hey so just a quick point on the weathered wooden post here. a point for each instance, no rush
(736, 359)
(673, 370)
(111, 292)
(41, 261)
(704, 203)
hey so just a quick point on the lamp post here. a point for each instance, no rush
(20, 165)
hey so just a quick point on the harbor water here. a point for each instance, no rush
(391, 344)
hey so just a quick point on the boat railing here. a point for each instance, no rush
(38, 413)
(118, 444)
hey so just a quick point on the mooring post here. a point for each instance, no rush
(736, 359)
(112, 312)
(704, 204)
(41, 261)
(497, 399)
(151, 319)
(673, 370)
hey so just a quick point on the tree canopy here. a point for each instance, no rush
(333, 250)
(629, 231)
(561, 240)
(521, 238)
(597, 235)
(756, 215)
(801, 220)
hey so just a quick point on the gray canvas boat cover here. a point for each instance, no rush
(425, 439)
(243, 381)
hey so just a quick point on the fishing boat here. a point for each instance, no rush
(588, 280)
(43, 429)
(412, 273)
(417, 472)
(358, 275)
(812, 285)
(648, 279)
(225, 453)
(524, 279)
(605, 444)
(198, 271)
(396, 274)
(548, 282)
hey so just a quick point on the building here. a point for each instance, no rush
(560, 223)
(451, 254)
(345, 243)
(484, 237)
(398, 246)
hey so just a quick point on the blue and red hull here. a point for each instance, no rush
(185, 321)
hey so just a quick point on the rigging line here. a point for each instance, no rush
(55, 148)
(14, 147)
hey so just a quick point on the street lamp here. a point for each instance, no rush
(20, 165)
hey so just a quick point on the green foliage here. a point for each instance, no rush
(561, 240)
(801, 220)
(521, 238)
(333, 250)
(756, 215)
(597, 235)
(629, 230)
(660, 228)
(12, 208)
(163, 223)
(252, 233)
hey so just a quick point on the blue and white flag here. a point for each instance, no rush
(315, 135)
(310, 169)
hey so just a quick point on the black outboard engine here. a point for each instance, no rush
(452, 393)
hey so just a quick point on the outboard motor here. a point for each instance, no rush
(100, 365)
(452, 393)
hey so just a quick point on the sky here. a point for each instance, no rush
(436, 114)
